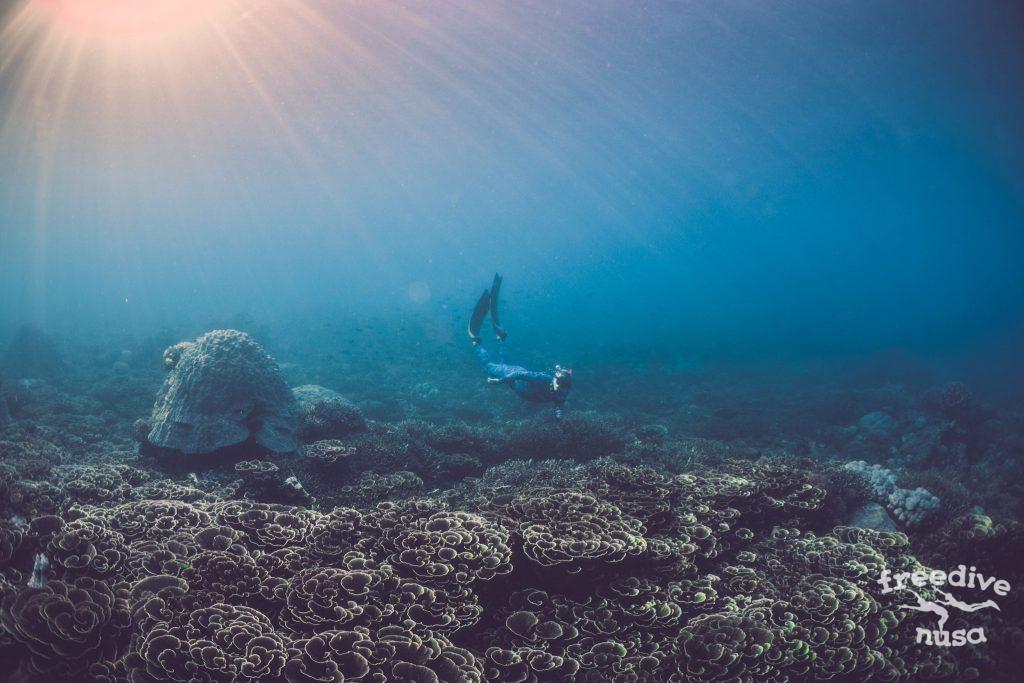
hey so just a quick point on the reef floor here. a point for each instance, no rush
(683, 541)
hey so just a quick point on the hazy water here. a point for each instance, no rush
(741, 179)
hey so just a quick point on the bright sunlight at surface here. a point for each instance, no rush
(126, 19)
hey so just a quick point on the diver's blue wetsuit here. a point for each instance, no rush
(535, 387)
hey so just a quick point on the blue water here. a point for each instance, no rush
(244, 435)
(698, 180)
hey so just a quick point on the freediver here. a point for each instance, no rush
(536, 387)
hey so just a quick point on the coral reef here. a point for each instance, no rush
(592, 572)
(578, 436)
(911, 507)
(65, 626)
(495, 547)
(325, 414)
(552, 570)
(328, 453)
(222, 390)
(872, 516)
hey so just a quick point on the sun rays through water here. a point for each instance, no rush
(113, 105)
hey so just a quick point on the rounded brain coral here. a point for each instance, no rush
(221, 390)
(154, 519)
(729, 646)
(224, 576)
(334, 534)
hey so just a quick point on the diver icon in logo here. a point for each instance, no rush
(940, 636)
(939, 606)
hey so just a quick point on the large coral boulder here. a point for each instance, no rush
(223, 389)
(325, 414)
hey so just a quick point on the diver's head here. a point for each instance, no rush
(562, 382)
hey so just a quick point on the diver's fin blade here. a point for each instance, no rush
(479, 313)
(495, 319)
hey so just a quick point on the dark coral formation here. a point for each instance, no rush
(325, 414)
(580, 436)
(330, 455)
(221, 390)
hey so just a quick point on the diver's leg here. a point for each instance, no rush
(502, 351)
(477, 318)
(494, 371)
(495, 320)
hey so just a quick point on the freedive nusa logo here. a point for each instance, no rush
(961, 577)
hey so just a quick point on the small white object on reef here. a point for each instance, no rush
(40, 571)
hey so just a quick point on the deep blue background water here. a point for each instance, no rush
(760, 181)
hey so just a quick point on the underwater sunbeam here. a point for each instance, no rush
(127, 19)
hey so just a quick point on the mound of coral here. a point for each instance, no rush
(912, 507)
(221, 390)
(325, 414)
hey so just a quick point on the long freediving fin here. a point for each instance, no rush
(495, 320)
(479, 313)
